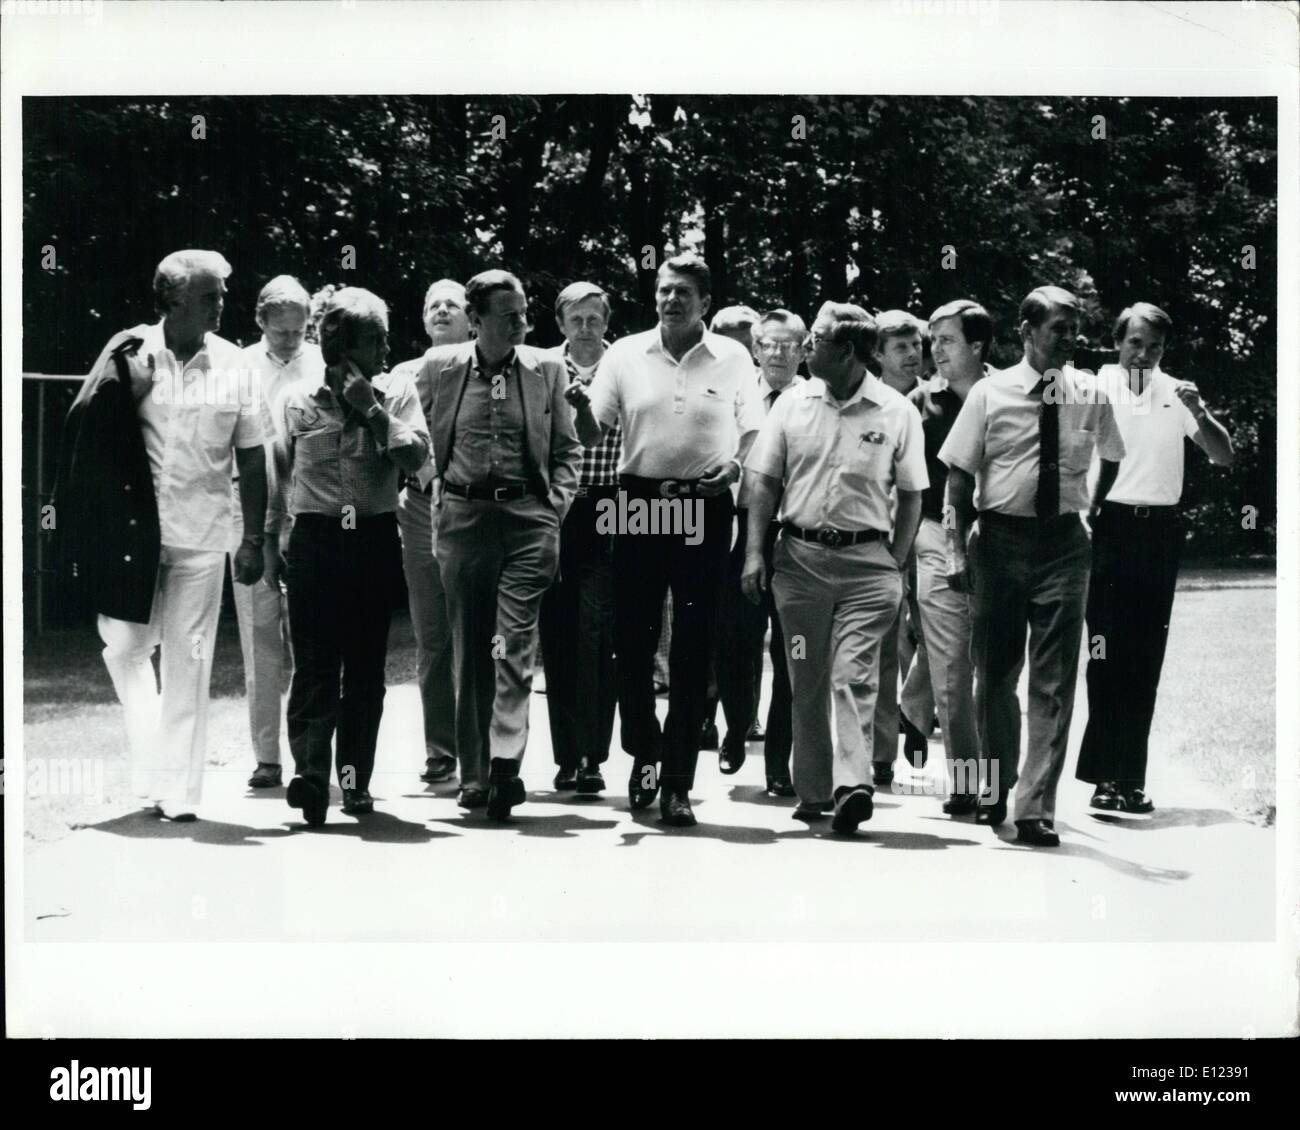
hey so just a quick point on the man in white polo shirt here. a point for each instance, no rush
(1136, 539)
(1026, 436)
(830, 451)
(682, 397)
(281, 357)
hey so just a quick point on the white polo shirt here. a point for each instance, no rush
(191, 423)
(1154, 425)
(839, 461)
(995, 438)
(679, 417)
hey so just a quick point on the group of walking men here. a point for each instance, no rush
(902, 509)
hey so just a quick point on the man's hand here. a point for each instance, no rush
(1190, 395)
(753, 579)
(358, 391)
(717, 479)
(273, 564)
(577, 395)
(248, 563)
(959, 574)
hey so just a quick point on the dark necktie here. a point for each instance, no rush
(1047, 501)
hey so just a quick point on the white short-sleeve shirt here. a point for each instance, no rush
(682, 417)
(839, 461)
(1154, 425)
(192, 421)
(995, 438)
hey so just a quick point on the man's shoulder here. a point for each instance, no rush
(223, 351)
(631, 344)
(727, 349)
(537, 358)
(440, 357)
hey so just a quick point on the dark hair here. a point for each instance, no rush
(1143, 312)
(1039, 303)
(479, 289)
(851, 324)
(896, 323)
(976, 325)
(343, 313)
(694, 268)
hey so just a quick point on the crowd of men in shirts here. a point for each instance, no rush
(901, 514)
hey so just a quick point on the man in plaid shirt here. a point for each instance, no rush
(576, 624)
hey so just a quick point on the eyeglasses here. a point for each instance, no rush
(780, 346)
(813, 340)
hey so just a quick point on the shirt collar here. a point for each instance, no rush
(765, 389)
(155, 343)
(507, 365)
(270, 355)
(656, 344)
(572, 365)
(869, 390)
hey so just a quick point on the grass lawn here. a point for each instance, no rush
(1216, 710)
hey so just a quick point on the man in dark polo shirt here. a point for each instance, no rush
(961, 333)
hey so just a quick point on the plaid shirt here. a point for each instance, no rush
(599, 463)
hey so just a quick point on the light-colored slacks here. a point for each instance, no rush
(835, 606)
(946, 619)
(433, 649)
(263, 616)
(167, 731)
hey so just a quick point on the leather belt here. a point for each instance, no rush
(602, 491)
(489, 492)
(1140, 511)
(666, 488)
(832, 539)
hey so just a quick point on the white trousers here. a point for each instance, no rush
(167, 732)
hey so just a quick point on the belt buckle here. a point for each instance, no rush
(1142, 512)
(496, 494)
(670, 488)
(833, 539)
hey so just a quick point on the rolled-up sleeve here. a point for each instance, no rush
(252, 427)
(603, 390)
(407, 429)
(1110, 443)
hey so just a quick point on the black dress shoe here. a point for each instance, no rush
(882, 773)
(960, 804)
(709, 736)
(357, 802)
(566, 779)
(1135, 800)
(265, 776)
(643, 785)
(1106, 796)
(503, 795)
(811, 811)
(590, 782)
(780, 786)
(311, 797)
(991, 814)
(675, 811)
(1037, 833)
(471, 796)
(731, 757)
(437, 769)
(853, 807)
(916, 746)
(756, 732)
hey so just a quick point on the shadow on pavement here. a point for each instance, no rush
(878, 837)
(376, 828)
(1167, 818)
(148, 825)
(1072, 848)
(564, 826)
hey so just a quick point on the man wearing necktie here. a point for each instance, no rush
(1025, 436)
(505, 449)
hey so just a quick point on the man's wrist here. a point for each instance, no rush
(254, 539)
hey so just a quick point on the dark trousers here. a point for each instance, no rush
(739, 658)
(341, 583)
(1130, 598)
(645, 567)
(576, 626)
(1030, 576)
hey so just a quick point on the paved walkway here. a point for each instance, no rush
(574, 869)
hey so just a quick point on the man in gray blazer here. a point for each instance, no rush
(507, 456)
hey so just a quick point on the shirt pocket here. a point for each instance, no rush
(872, 457)
(1076, 449)
(216, 427)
